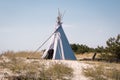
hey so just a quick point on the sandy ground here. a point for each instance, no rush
(77, 66)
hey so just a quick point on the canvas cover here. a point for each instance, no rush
(59, 47)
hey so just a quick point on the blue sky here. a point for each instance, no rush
(25, 24)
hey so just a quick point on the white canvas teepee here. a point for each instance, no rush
(59, 47)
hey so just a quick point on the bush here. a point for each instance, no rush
(81, 48)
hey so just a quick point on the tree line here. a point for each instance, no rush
(81, 49)
(112, 50)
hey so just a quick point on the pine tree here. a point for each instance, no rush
(113, 46)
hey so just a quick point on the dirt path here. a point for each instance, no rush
(77, 67)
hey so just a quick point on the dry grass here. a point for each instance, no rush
(102, 71)
(36, 71)
(86, 55)
(22, 68)
(60, 71)
(22, 54)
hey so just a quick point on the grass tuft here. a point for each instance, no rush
(102, 71)
(60, 71)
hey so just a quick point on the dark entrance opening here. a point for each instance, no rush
(50, 54)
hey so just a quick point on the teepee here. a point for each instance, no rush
(59, 48)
